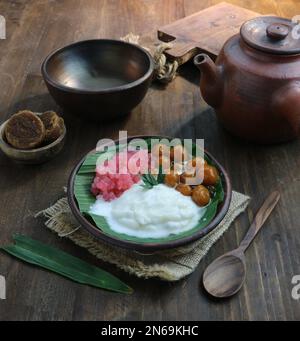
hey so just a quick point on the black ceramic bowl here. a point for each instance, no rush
(148, 248)
(98, 79)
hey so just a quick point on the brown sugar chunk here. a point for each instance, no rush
(54, 126)
(24, 130)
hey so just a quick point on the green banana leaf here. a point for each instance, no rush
(85, 199)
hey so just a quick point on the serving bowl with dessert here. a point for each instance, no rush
(144, 199)
(32, 138)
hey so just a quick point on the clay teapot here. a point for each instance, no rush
(254, 85)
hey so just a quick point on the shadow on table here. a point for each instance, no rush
(205, 125)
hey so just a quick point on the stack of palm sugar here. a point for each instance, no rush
(27, 130)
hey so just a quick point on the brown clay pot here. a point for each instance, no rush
(254, 86)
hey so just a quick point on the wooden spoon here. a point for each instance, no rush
(225, 276)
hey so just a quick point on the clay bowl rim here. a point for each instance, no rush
(149, 248)
(30, 151)
(127, 86)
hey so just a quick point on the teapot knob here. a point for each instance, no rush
(277, 31)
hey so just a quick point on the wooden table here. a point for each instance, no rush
(34, 28)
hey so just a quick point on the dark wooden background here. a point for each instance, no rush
(34, 28)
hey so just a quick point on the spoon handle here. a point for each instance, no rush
(261, 216)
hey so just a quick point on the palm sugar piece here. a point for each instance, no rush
(54, 126)
(24, 130)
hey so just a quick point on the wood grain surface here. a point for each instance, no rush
(34, 28)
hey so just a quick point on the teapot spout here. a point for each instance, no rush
(211, 79)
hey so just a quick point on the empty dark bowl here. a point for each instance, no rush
(98, 79)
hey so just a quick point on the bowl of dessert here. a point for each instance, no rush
(149, 194)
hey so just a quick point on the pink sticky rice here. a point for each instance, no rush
(115, 176)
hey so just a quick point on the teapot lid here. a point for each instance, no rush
(272, 34)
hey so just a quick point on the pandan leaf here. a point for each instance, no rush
(55, 260)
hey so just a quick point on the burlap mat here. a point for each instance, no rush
(169, 265)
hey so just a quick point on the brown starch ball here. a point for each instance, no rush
(211, 175)
(53, 124)
(171, 179)
(24, 130)
(184, 177)
(178, 153)
(196, 162)
(200, 195)
(184, 189)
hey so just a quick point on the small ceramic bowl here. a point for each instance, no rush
(31, 156)
(150, 248)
